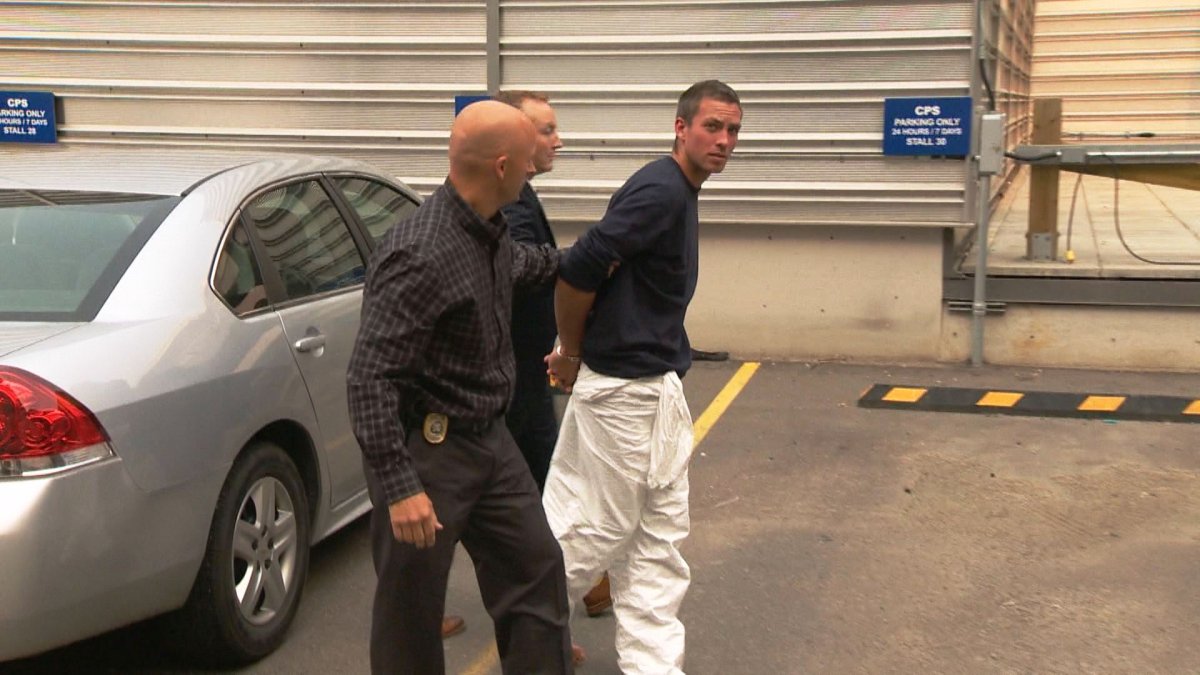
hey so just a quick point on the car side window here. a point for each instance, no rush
(237, 278)
(306, 239)
(378, 206)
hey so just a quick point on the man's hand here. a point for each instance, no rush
(413, 520)
(571, 307)
(562, 369)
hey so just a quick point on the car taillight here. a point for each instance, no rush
(44, 430)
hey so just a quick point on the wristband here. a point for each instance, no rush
(573, 359)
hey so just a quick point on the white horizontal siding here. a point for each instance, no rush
(812, 77)
(257, 19)
(584, 18)
(351, 78)
(1121, 67)
(302, 114)
(242, 64)
(375, 81)
(779, 65)
(838, 109)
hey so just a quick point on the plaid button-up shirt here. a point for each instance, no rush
(434, 335)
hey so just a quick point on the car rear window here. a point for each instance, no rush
(62, 253)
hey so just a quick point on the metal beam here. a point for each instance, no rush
(1060, 291)
(1082, 154)
(1176, 165)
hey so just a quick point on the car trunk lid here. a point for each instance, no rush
(19, 335)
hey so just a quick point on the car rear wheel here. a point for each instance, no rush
(249, 585)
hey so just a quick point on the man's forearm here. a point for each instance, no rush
(375, 415)
(534, 264)
(571, 307)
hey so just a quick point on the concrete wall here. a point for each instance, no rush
(1121, 338)
(805, 292)
(797, 293)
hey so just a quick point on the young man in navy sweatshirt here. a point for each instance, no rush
(617, 493)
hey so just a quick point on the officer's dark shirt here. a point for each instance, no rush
(533, 328)
(635, 328)
(434, 335)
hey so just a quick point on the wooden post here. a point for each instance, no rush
(1041, 240)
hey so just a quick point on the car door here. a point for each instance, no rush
(319, 270)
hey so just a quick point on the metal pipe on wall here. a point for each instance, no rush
(983, 186)
(991, 137)
(493, 46)
(979, 303)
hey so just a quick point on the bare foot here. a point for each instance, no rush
(578, 656)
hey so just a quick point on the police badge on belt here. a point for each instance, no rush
(435, 428)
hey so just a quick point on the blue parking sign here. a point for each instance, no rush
(927, 126)
(463, 100)
(27, 117)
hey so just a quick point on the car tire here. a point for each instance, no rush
(252, 576)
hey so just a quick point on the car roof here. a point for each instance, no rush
(157, 171)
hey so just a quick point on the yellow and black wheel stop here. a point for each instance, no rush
(1033, 403)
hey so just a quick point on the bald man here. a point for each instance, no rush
(429, 382)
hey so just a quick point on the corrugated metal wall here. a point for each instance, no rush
(796, 263)
(812, 76)
(372, 80)
(375, 80)
(1121, 67)
(1007, 42)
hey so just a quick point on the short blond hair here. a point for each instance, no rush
(517, 97)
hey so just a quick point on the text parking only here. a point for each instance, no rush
(927, 126)
(27, 117)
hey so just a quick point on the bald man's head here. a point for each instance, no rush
(491, 152)
(490, 141)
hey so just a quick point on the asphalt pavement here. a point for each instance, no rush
(830, 538)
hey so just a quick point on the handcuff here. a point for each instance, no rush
(558, 349)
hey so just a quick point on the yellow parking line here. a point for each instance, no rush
(489, 657)
(717, 408)
(1193, 409)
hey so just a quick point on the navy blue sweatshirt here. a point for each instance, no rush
(635, 328)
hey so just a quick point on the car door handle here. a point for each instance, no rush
(310, 343)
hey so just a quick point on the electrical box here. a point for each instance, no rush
(991, 143)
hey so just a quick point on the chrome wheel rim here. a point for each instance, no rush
(264, 551)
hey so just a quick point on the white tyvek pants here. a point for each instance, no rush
(616, 498)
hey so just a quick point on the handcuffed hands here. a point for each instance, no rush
(562, 368)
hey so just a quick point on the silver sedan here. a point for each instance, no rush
(174, 435)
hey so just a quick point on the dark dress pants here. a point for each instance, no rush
(484, 496)
(533, 424)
